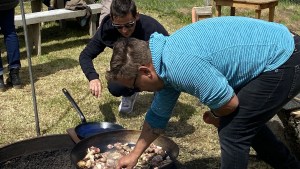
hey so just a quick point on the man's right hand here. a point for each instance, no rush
(96, 87)
(128, 161)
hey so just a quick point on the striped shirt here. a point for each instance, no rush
(210, 58)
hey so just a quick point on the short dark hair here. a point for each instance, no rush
(120, 8)
(128, 55)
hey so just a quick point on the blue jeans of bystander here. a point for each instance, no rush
(259, 101)
(11, 39)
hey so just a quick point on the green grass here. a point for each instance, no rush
(58, 68)
(180, 9)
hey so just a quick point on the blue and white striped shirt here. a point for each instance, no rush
(210, 58)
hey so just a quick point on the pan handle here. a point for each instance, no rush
(67, 94)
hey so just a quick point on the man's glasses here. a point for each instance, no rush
(127, 25)
(135, 89)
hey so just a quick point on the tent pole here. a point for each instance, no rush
(30, 70)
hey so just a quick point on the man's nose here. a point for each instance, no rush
(124, 29)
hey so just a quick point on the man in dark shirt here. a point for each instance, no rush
(123, 21)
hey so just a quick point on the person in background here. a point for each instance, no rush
(11, 41)
(243, 69)
(49, 4)
(123, 21)
(105, 9)
(71, 5)
(54, 4)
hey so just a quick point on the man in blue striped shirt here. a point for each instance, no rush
(243, 69)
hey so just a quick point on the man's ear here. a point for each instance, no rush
(144, 70)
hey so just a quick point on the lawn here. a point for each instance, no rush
(58, 68)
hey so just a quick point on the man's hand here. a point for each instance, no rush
(210, 119)
(128, 162)
(146, 138)
(96, 87)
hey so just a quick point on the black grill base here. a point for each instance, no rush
(40, 152)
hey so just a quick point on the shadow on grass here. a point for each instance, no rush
(64, 115)
(107, 111)
(214, 163)
(55, 33)
(178, 128)
(203, 163)
(46, 49)
(181, 128)
(42, 70)
(293, 1)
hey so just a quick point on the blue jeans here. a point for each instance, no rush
(11, 39)
(259, 101)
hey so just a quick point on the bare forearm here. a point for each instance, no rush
(146, 138)
(228, 108)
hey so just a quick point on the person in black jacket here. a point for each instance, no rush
(123, 21)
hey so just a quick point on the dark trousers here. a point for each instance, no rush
(259, 101)
(11, 40)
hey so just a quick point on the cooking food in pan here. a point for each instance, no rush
(153, 157)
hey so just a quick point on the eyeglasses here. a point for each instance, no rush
(135, 89)
(127, 25)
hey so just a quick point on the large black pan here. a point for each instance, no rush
(123, 136)
(87, 129)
